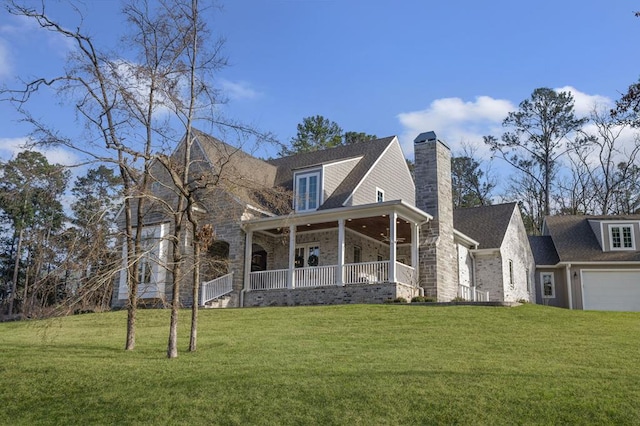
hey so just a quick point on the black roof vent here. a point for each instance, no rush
(425, 137)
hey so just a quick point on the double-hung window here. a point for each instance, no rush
(621, 237)
(548, 285)
(307, 191)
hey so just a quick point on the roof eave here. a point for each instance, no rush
(401, 207)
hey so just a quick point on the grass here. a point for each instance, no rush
(356, 364)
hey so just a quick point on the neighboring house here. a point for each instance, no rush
(589, 262)
(357, 230)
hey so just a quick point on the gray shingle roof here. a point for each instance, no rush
(575, 241)
(487, 224)
(544, 251)
(370, 151)
(242, 165)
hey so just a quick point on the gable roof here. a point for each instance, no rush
(575, 241)
(370, 151)
(486, 224)
(543, 249)
(244, 165)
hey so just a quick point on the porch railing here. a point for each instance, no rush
(268, 280)
(315, 276)
(366, 272)
(406, 274)
(472, 294)
(320, 276)
(216, 288)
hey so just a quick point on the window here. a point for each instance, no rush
(151, 271)
(307, 255)
(548, 285)
(307, 191)
(621, 237)
(379, 195)
(511, 283)
(357, 254)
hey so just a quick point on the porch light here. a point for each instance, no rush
(364, 226)
(384, 215)
(308, 224)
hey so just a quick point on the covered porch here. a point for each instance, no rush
(366, 244)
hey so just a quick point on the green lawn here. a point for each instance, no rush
(357, 364)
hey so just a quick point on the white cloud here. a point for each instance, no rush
(584, 103)
(239, 90)
(456, 121)
(10, 147)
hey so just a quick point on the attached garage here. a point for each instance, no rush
(611, 290)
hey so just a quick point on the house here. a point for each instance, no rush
(589, 262)
(503, 262)
(357, 228)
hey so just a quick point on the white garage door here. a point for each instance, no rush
(611, 290)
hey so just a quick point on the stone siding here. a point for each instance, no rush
(515, 248)
(333, 295)
(489, 276)
(438, 258)
(328, 243)
(465, 266)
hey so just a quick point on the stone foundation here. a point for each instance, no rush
(332, 295)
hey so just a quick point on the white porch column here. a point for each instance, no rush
(393, 217)
(415, 247)
(292, 257)
(248, 251)
(340, 271)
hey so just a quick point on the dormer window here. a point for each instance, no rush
(621, 237)
(307, 191)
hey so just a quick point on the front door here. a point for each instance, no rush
(307, 255)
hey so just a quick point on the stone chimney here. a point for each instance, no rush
(437, 259)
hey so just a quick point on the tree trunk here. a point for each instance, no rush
(172, 346)
(16, 269)
(193, 339)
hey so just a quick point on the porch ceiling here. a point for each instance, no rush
(375, 227)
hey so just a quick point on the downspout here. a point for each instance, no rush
(569, 285)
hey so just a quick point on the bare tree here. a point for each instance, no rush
(608, 164)
(138, 108)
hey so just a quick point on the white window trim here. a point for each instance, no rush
(378, 192)
(621, 226)
(306, 174)
(553, 285)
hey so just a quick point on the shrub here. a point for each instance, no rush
(458, 299)
(396, 300)
(423, 299)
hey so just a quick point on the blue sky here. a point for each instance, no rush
(382, 67)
